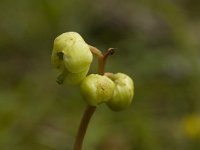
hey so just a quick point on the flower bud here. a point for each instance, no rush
(69, 78)
(123, 92)
(97, 89)
(71, 52)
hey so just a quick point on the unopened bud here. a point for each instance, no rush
(72, 57)
(97, 89)
(71, 52)
(123, 92)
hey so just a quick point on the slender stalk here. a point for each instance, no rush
(83, 127)
(102, 57)
(101, 64)
(95, 51)
(89, 111)
(102, 60)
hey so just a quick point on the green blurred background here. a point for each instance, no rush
(158, 45)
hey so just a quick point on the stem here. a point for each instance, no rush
(89, 111)
(83, 126)
(102, 60)
(101, 57)
(95, 51)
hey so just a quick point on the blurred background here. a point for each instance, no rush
(158, 46)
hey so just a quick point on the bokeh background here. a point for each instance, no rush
(158, 46)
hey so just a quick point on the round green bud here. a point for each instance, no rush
(69, 78)
(123, 92)
(71, 52)
(97, 89)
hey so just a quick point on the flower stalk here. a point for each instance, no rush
(89, 111)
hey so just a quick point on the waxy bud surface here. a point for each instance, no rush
(72, 57)
(123, 92)
(97, 89)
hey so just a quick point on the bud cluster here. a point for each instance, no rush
(72, 57)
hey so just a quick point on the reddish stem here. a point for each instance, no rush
(83, 127)
(89, 111)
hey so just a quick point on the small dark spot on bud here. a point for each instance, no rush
(102, 88)
(60, 55)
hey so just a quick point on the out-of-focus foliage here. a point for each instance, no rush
(158, 45)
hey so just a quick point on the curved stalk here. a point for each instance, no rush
(83, 126)
(89, 111)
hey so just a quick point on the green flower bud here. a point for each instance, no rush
(123, 92)
(71, 52)
(69, 78)
(97, 89)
